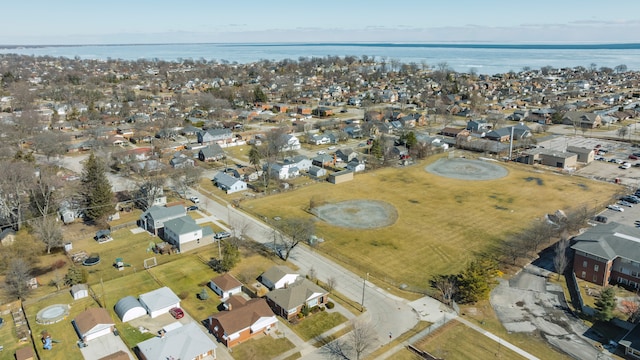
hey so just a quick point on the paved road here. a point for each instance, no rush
(386, 312)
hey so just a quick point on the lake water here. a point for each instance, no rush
(482, 58)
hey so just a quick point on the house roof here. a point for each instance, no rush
(79, 287)
(227, 181)
(226, 282)
(159, 213)
(632, 339)
(159, 298)
(295, 294)
(90, 318)
(185, 342)
(610, 241)
(277, 272)
(25, 353)
(182, 225)
(241, 317)
(212, 151)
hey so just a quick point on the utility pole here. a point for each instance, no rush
(364, 284)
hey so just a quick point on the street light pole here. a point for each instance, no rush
(364, 283)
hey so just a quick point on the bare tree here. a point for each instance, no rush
(560, 258)
(42, 193)
(290, 232)
(331, 283)
(17, 277)
(51, 143)
(239, 226)
(48, 230)
(13, 185)
(184, 178)
(622, 132)
(446, 284)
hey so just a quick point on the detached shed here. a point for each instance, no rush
(340, 176)
(129, 308)
(79, 291)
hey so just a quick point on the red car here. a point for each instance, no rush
(176, 313)
(633, 157)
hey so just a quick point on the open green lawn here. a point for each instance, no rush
(456, 341)
(441, 222)
(316, 324)
(8, 338)
(187, 277)
(264, 347)
(63, 330)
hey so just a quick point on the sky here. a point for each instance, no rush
(64, 22)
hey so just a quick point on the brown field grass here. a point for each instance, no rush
(442, 222)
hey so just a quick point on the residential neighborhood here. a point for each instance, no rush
(215, 210)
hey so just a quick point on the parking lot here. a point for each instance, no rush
(626, 217)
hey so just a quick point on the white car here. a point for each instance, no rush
(321, 152)
(332, 147)
(194, 199)
(615, 208)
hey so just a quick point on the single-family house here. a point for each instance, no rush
(93, 323)
(277, 277)
(319, 139)
(323, 160)
(185, 234)
(289, 301)
(79, 291)
(282, 171)
(478, 126)
(228, 183)
(159, 301)
(118, 355)
(355, 165)
(211, 136)
(581, 119)
(211, 152)
(129, 308)
(454, 132)
(225, 285)
(291, 142)
(179, 161)
(243, 320)
(154, 218)
(346, 154)
(186, 342)
(631, 343)
(608, 254)
(317, 171)
(500, 135)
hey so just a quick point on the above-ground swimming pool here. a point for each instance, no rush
(52, 314)
(90, 261)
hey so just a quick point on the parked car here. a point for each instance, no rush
(636, 154)
(194, 199)
(321, 152)
(625, 166)
(613, 160)
(192, 208)
(222, 235)
(176, 313)
(633, 157)
(625, 203)
(631, 198)
(332, 147)
(615, 207)
(601, 219)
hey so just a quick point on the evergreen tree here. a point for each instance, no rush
(230, 256)
(474, 282)
(605, 304)
(259, 95)
(376, 149)
(75, 275)
(98, 196)
(255, 157)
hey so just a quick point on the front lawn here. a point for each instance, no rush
(316, 324)
(264, 347)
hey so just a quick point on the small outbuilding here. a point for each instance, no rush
(25, 353)
(79, 291)
(225, 285)
(129, 308)
(159, 301)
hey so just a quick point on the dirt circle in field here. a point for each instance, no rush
(358, 214)
(467, 169)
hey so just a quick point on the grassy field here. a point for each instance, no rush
(456, 341)
(442, 222)
(187, 277)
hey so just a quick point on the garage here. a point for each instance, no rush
(159, 301)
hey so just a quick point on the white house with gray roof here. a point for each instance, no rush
(159, 301)
(154, 218)
(187, 342)
(185, 234)
(229, 183)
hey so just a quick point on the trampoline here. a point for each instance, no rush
(92, 260)
(52, 314)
